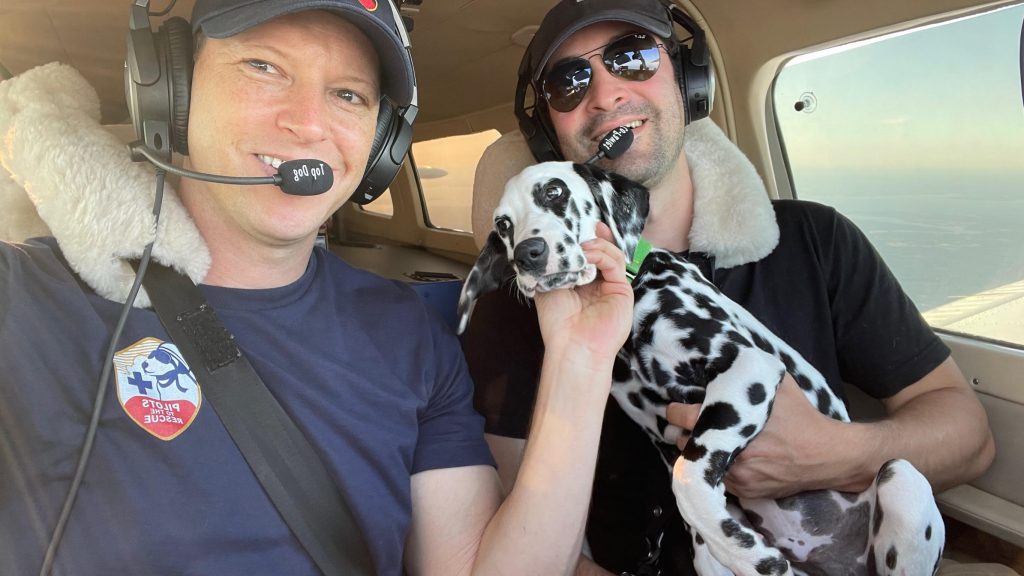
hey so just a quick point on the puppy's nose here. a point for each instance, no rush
(531, 255)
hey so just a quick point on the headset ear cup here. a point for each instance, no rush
(696, 86)
(679, 62)
(534, 123)
(694, 69)
(177, 35)
(391, 142)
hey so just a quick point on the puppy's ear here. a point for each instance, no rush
(623, 204)
(633, 203)
(491, 267)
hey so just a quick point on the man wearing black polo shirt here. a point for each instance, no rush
(801, 268)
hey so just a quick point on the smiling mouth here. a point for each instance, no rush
(633, 125)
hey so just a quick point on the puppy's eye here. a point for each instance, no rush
(553, 191)
(502, 225)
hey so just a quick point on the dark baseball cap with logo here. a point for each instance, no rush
(377, 19)
(571, 16)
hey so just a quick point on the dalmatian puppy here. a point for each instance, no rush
(690, 343)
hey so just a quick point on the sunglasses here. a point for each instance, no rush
(633, 57)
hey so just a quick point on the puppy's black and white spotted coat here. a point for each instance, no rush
(690, 343)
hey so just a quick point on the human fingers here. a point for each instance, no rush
(682, 417)
(606, 256)
(604, 231)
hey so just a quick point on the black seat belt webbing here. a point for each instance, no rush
(279, 454)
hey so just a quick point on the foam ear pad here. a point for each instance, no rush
(176, 35)
(391, 141)
(385, 111)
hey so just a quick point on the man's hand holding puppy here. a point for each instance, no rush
(598, 315)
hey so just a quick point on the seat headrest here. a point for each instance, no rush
(503, 159)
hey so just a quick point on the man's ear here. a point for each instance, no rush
(490, 269)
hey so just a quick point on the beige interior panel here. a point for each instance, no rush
(992, 369)
(984, 511)
(994, 502)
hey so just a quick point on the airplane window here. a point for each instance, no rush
(918, 138)
(446, 167)
(382, 204)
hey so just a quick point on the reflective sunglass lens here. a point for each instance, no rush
(566, 84)
(634, 57)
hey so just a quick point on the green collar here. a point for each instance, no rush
(643, 248)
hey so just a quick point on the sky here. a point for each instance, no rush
(947, 95)
(918, 138)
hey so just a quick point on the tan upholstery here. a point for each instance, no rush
(504, 158)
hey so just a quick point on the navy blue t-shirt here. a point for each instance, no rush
(368, 372)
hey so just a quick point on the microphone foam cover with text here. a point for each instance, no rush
(305, 177)
(616, 142)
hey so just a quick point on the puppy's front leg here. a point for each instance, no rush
(704, 563)
(735, 410)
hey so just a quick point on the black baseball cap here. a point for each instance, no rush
(570, 16)
(375, 18)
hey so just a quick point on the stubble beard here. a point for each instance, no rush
(664, 144)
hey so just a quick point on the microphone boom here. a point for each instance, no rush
(303, 177)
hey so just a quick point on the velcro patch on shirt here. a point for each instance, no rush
(156, 387)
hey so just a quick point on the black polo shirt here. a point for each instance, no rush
(824, 290)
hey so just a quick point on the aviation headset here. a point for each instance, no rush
(158, 86)
(694, 71)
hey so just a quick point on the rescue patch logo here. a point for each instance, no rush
(156, 388)
(370, 5)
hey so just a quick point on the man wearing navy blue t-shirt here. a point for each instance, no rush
(373, 378)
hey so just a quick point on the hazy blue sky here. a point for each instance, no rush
(919, 139)
(948, 95)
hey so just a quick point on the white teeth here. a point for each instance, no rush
(633, 124)
(270, 160)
